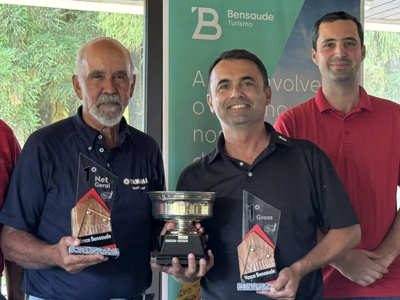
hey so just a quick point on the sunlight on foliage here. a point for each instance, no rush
(382, 64)
(38, 48)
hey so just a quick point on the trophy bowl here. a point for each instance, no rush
(183, 208)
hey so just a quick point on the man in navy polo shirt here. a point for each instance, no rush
(43, 188)
(294, 176)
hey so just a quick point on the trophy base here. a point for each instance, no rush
(180, 246)
(183, 260)
(86, 250)
(250, 286)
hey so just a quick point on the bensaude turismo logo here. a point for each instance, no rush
(235, 18)
(202, 23)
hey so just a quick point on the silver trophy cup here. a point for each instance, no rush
(183, 208)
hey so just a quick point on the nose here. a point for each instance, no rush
(340, 51)
(109, 86)
(236, 91)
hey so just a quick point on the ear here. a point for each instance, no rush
(210, 103)
(132, 88)
(268, 95)
(314, 56)
(77, 86)
(363, 52)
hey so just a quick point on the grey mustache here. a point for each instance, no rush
(108, 98)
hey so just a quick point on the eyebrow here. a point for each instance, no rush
(223, 81)
(120, 73)
(96, 73)
(247, 78)
(344, 39)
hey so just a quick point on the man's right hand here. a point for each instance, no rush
(74, 263)
(360, 266)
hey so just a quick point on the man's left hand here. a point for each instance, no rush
(285, 287)
(189, 274)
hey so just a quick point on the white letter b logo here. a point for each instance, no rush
(201, 23)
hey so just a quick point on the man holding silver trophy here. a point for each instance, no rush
(273, 192)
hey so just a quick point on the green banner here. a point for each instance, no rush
(199, 30)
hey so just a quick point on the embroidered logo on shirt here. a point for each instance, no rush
(136, 183)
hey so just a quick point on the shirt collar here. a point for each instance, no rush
(276, 138)
(323, 105)
(90, 135)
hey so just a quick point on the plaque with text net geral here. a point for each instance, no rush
(91, 217)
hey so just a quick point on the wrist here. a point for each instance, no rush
(299, 269)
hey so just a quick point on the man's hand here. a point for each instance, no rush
(74, 263)
(285, 287)
(189, 274)
(171, 224)
(360, 266)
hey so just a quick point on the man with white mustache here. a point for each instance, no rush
(350, 125)
(293, 176)
(43, 189)
(108, 116)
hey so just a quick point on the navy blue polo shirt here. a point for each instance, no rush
(42, 193)
(292, 175)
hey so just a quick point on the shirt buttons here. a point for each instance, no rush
(100, 136)
(250, 174)
(108, 165)
(241, 164)
(101, 150)
(89, 148)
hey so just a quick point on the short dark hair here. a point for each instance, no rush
(334, 16)
(240, 54)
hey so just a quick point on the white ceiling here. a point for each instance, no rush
(118, 6)
(382, 15)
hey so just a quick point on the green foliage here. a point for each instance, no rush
(119, 26)
(382, 64)
(38, 48)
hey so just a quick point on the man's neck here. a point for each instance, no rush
(342, 96)
(110, 134)
(246, 144)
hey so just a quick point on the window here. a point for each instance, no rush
(382, 64)
(38, 47)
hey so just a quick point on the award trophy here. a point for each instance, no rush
(256, 252)
(91, 217)
(183, 208)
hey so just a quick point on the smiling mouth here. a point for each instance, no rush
(340, 66)
(238, 106)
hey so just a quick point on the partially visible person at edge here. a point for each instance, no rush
(43, 189)
(361, 135)
(294, 176)
(9, 152)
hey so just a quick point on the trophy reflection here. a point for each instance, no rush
(183, 208)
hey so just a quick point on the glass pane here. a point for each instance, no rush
(382, 67)
(38, 47)
(382, 64)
